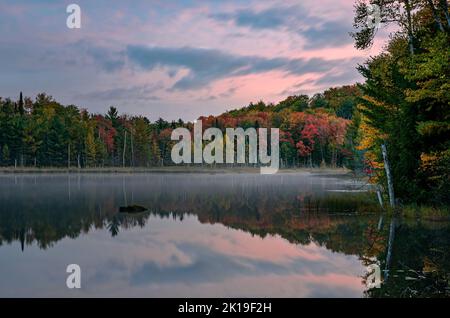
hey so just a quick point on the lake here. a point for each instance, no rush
(211, 235)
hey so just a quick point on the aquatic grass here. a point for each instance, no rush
(424, 212)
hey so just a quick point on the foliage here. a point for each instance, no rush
(405, 102)
(46, 133)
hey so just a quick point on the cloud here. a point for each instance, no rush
(264, 48)
(339, 78)
(107, 61)
(318, 31)
(210, 266)
(226, 94)
(328, 34)
(208, 65)
(266, 19)
(135, 93)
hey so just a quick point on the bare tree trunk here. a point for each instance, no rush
(321, 153)
(410, 30)
(388, 176)
(389, 248)
(124, 148)
(436, 17)
(380, 223)
(334, 157)
(380, 198)
(132, 151)
(78, 161)
(444, 5)
(124, 192)
(68, 156)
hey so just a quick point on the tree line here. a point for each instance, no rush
(43, 133)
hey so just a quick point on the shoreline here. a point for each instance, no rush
(171, 169)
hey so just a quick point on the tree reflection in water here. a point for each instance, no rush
(46, 209)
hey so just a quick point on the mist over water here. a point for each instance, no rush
(290, 234)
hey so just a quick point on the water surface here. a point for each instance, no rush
(207, 235)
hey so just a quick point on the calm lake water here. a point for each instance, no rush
(207, 235)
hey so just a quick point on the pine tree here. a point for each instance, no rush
(21, 105)
(406, 102)
(5, 155)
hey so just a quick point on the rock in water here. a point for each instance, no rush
(132, 209)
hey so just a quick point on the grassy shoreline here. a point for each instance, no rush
(170, 169)
(424, 212)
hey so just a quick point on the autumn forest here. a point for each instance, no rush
(403, 104)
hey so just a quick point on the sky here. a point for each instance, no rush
(177, 59)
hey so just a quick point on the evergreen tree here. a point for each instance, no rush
(406, 102)
(5, 155)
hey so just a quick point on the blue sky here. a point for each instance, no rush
(176, 59)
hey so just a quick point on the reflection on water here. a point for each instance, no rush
(292, 235)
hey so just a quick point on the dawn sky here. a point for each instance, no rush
(175, 59)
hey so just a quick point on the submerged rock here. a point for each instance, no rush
(132, 209)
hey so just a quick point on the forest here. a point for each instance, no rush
(402, 104)
(44, 133)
